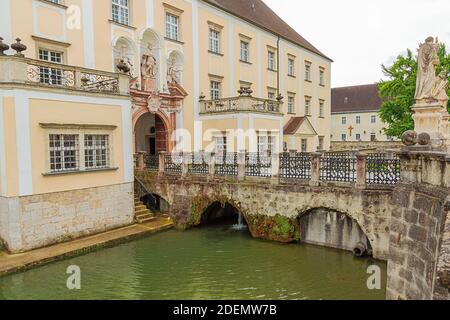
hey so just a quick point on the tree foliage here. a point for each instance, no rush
(398, 91)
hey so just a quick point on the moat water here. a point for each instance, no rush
(214, 262)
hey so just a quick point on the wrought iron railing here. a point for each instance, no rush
(258, 164)
(338, 168)
(56, 75)
(382, 169)
(198, 162)
(226, 164)
(173, 162)
(241, 103)
(295, 165)
(151, 162)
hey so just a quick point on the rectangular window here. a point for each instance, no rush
(271, 60)
(307, 106)
(271, 103)
(271, 144)
(221, 144)
(262, 143)
(358, 136)
(321, 108)
(343, 137)
(96, 151)
(121, 11)
(358, 119)
(172, 26)
(245, 56)
(53, 76)
(291, 67)
(215, 90)
(214, 42)
(344, 120)
(373, 119)
(64, 150)
(291, 104)
(321, 142)
(307, 71)
(322, 77)
(56, 1)
(373, 137)
(304, 145)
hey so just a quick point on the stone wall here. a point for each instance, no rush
(417, 227)
(376, 146)
(40, 220)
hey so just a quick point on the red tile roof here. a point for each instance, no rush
(258, 13)
(355, 98)
(292, 125)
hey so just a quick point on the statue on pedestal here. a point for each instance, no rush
(148, 71)
(429, 87)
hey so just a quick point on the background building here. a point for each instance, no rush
(354, 115)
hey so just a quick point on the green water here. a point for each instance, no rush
(206, 263)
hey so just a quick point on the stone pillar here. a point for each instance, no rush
(315, 169)
(429, 118)
(185, 163)
(361, 171)
(141, 162)
(410, 167)
(275, 168)
(124, 84)
(212, 166)
(161, 161)
(241, 164)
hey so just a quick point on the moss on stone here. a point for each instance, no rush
(277, 228)
(198, 206)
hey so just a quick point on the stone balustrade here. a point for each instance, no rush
(20, 71)
(359, 169)
(240, 104)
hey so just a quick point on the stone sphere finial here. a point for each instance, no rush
(424, 139)
(19, 47)
(3, 47)
(409, 138)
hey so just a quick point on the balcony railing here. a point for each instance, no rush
(240, 104)
(24, 71)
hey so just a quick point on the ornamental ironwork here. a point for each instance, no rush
(198, 163)
(295, 165)
(151, 162)
(338, 167)
(382, 169)
(258, 164)
(99, 83)
(173, 162)
(226, 164)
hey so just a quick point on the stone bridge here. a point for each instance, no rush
(395, 206)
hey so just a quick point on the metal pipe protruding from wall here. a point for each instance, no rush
(359, 250)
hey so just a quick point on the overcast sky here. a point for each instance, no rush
(360, 35)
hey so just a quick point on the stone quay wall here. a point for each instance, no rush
(35, 221)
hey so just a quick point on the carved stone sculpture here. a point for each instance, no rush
(440, 87)
(409, 138)
(148, 72)
(424, 139)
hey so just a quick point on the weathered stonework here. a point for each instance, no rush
(40, 220)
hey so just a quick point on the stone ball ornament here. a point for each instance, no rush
(409, 138)
(424, 139)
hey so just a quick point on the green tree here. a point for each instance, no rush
(398, 91)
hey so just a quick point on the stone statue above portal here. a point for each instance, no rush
(427, 62)
(148, 72)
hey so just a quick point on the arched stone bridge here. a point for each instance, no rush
(405, 222)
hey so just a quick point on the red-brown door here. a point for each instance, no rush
(161, 135)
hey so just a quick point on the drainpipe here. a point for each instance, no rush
(278, 66)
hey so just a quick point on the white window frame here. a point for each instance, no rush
(358, 120)
(321, 143)
(121, 11)
(321, 76)
(98, 147)
(245, 51)
(214, 40)
(308, 71)
(304, 145)
(172, 23)
(373, 119)
(215, 90)
(291, 103)
(344, 137)
(357, 136)
(308, 106)
(291, 67)
(47, 75)
(344, 120)
(321, 108)
(220, 142)
(271, 60)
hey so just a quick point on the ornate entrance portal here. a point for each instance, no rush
(154, 111)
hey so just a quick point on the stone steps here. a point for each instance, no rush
(141, 212)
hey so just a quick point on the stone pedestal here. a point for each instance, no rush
(432, 118)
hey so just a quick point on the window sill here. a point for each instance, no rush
(215, 53)
(273, 70)
(174, 40)
(321, 117)
(322, 85)
(291, 76)
(121, 24)
(246, 62)
(63, 173)
(60, 5)
(306, 80)
(291, 113)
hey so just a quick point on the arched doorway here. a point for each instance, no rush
(223, 214)
(151, 134)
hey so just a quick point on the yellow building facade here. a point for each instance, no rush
(205, 75)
